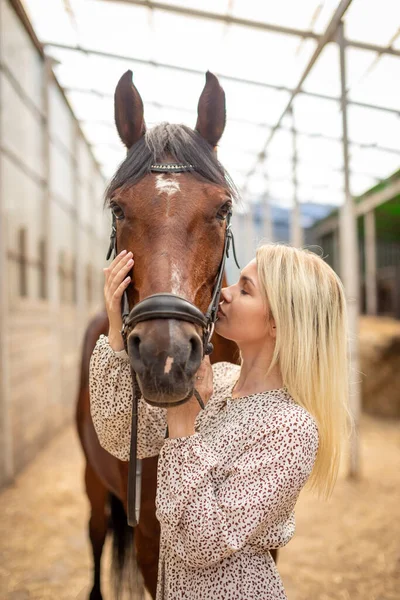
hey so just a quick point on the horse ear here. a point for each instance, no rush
(211, 114)
(128, 111)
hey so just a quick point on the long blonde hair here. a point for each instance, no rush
(307, 301)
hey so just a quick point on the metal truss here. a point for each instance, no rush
(229, 20)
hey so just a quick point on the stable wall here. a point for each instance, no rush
(53, 240)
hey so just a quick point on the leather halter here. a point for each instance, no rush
(165, 306)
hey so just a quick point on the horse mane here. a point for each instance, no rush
(184, 145)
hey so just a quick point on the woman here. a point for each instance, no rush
(229, 476)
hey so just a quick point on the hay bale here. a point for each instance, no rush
(380, 366)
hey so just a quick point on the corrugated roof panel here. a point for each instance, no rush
(316, 116)
(373, 21)
(271, 57)
(299, 15)
(376, 127)
(214, 6)
(382, 85)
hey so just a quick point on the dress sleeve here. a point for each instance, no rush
(206, 522)
(110, 389)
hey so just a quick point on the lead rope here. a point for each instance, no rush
(135, 464)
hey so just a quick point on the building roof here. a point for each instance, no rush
(272, 57)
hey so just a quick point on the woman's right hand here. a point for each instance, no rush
(116, 281)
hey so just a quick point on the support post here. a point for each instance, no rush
(349, 268)
(79, 271)
(268, 226)
(6, 441)
(370, 262)
(296, 231)
(52, 256)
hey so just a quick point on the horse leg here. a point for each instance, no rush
(98, 525)
(148, 530)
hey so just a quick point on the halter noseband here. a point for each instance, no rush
(165, 306)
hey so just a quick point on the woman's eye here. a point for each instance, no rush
(117, 211)
(243, 293)
(224, 211)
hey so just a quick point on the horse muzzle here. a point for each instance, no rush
(164, 337)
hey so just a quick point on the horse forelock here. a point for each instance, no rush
(163, 143)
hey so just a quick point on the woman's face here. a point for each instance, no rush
(243, 314)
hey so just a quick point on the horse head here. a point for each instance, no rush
(171, 202)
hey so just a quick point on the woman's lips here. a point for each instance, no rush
(220, 313)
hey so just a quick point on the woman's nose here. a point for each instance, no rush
(226, 295)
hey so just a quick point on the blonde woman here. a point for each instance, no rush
(229, 476)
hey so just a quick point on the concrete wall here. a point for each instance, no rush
(53, 232)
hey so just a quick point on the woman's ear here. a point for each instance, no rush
(273, 328)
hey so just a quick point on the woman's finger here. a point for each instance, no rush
(120, 273)
(112, 287)
(108, 270)
(115, 298)
(115, 266)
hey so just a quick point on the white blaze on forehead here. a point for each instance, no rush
(175, 280)
(168, 364)
(167, 185)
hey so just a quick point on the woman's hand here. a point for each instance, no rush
(116, 282)
(181, 418)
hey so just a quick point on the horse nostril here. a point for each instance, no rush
(134, 343)
(195, 355)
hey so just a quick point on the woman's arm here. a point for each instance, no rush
(110, 388)
(206, 521)
(110, 381)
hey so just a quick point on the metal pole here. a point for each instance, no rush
(191, 71)
(79, 272)
(349, 268)
(327, 37)
(221, 18)
(370, 262)
(296, 231)
(6, 441)
(268, 225)
(50, 219)
(263, 26)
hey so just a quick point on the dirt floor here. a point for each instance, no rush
(347, 548)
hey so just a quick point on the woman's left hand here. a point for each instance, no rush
(181, 418)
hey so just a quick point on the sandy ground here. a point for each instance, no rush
(347, 548)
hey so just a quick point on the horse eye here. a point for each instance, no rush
(117, 211)
(224, 211)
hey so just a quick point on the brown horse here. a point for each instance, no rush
(174, 226)
(106, 476)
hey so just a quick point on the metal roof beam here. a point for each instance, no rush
(364, 145)
(154, 63)
(331, 30)
(232, 78)
(226, 19)
(229, 20)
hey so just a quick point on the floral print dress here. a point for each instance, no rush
(225, 495)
